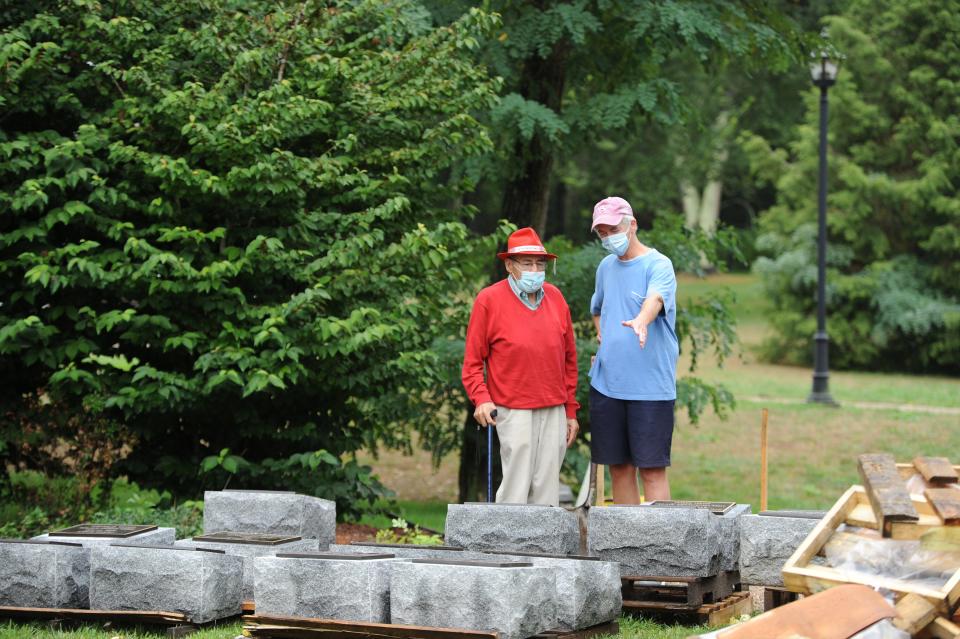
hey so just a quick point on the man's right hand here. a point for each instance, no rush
(484, 414)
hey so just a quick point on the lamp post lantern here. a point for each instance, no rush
(823, 71)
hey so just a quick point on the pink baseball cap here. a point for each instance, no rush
(610, 211)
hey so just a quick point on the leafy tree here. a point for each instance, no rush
(893, 297)
(226, 224)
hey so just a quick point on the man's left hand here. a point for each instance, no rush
(639, 328)
(572, 429)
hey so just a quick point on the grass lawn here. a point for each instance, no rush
(629, 629)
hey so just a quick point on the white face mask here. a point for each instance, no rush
(616, 243)
(530, 281)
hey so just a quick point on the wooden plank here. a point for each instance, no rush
(812, 579)
(889, 497)
(914, 613)
(723, 615)
(946, 501)
(609, 628)
(941, 628)
(295, 627)
(819, 536)
(160, 617)
(937, 470)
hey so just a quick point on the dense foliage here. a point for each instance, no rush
(227, 224)
(893, 298)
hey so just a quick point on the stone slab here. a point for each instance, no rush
(248, 552)
(730, 536)
(324, 588)
(158, 537)
(514, 527)
(44, 575)
(270, 512)
(674, 542)
(766, 544)
(202, 585)
(588, 591)
(516, 602)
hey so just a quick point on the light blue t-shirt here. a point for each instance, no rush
(622, 369)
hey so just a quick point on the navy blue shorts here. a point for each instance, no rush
(624, 431)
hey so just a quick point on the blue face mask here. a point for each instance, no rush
(616, 243)
(530, 281)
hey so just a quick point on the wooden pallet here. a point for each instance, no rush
(178, 624)
(774, 597)
(714, 614)
(689, 592)
(277, 627)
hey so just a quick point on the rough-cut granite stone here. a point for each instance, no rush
(157, 537)
(588, 590)
(248, 552)
(347, 589)
(766, 544)
(44, 575)
(516, 602)
(649, 541)
(202, 585)
(270, 512)
(730, 536)
(513, 527)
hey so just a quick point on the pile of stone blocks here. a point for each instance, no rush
(270, 512)
(513, 527)
(766, 543)
(247, 546)
(44, 574)
(351, 587)
(517, 600)
(202, 584)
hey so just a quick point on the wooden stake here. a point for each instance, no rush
(601, 487)
(763, 460)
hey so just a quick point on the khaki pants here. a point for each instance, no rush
(532, 445)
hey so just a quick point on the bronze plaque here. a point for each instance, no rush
(505, 503)
(542, 555)
(376, 544)
(259, 539)
(41, 542)
(119, 531)
(334, 555)
(716, 507)
(480, 564)
(180, 548)
(266, 492)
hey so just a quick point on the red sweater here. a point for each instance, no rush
(531, 356)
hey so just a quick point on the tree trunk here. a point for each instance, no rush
(527, 191)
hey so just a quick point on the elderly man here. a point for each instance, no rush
(633, 378)
(520, 329)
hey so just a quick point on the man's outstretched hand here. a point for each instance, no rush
(639, 327)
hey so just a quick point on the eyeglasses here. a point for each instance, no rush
(531, 265)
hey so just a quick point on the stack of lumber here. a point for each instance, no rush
(899, 532)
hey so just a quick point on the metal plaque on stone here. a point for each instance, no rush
(41, 542)
(259, 539)
(180, 548)
(335, 556)
(377, 544)
(504, 503)
(716, 507)
(479, 564)
(266, 492)
(119, 531)
(542, 555)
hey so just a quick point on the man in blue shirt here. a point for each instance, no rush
(633, 377)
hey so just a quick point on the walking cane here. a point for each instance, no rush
(493, 414)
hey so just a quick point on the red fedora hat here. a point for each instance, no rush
(525, 242)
